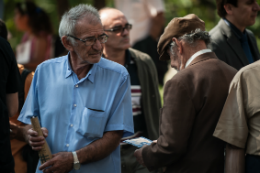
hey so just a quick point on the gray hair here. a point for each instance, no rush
(71, 17)
(191, 38)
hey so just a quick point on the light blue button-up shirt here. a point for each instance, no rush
(78, 112)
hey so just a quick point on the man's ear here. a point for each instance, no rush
(66, 43)
(229, 8)
(179, 44)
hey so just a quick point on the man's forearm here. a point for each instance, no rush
(235, 159)
(12, 103)
(100, 148)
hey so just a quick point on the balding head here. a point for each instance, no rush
(108, 15)
(116, 27)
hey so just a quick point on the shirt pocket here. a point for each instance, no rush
(92, 123)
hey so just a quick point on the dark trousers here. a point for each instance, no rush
(252, 164)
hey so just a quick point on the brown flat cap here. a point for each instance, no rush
(177, 27)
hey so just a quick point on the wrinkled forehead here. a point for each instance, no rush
(88, 26)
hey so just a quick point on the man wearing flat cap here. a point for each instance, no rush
(193, 100)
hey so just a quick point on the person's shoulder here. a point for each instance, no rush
(53, 62)
(200, 70)
(112, 67)
(136, 54)
(216, 33)
(3, 41)
(182, 77)
(248, 71)
(217, 38)
(6, 50)
(249, 32)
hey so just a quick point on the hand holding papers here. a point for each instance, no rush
(138, 142)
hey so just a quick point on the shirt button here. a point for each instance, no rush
(71, 125)
(76, 86)
(67, 145)
(75, 105)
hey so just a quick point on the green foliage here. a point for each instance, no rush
(205, 9)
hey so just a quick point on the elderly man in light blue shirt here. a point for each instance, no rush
(82, 100)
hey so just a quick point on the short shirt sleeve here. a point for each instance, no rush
(31, 106)
(232, 126)
(121, 116)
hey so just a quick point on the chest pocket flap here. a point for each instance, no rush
(92, 123)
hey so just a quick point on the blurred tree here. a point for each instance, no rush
(99, 4)
(205, 9)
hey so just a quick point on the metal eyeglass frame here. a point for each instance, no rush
(127, 27)
(84, 41)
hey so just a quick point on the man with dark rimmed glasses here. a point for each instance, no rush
(144, 83)
(83, 100)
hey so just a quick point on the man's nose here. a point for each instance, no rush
(125, 32)
(97, 45)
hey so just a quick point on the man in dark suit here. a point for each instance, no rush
(193, 100)
(230, 40)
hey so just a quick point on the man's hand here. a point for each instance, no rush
(138, 155)
(60, 163)
(36, 141)
(16, 132)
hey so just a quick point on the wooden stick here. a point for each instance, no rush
(45, 152)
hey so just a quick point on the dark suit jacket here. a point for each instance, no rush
(228, 48)
(193, 100)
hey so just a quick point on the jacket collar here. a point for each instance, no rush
(89, 76)
(234, 42)
(203, 57)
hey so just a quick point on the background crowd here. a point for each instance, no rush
(31, 27)
(205, 9)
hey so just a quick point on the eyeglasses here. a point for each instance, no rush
(92, 40)
(120, 29)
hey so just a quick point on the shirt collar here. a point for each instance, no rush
(68, 67)
(196, 55)
(89, 76)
